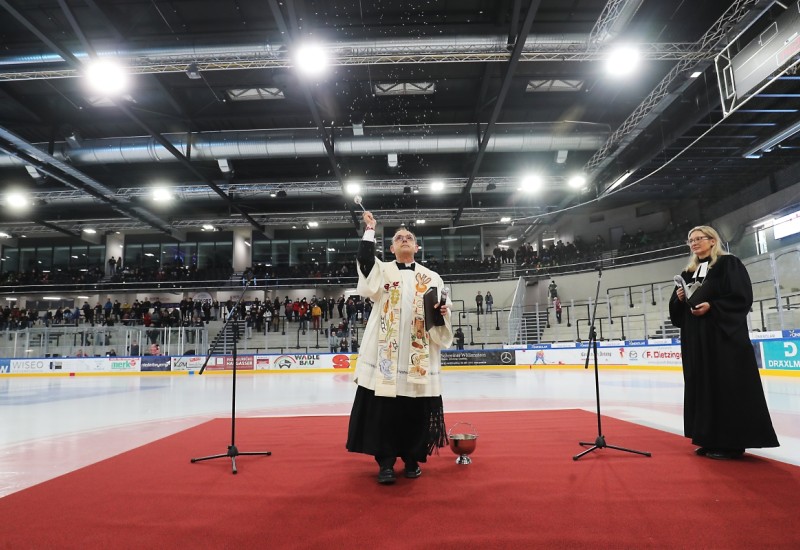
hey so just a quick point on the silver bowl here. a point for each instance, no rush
(463, 444)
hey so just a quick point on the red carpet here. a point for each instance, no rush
(523, 490)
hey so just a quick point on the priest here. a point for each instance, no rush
(398, 411)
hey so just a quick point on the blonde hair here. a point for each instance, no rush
(716, 248)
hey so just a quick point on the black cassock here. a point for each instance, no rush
(724, 405)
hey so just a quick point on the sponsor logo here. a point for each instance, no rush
(285, 362)
(289, 361)
(637, 342)
(655, 354)
(783, 364)
(539, 346)
(633, 355)
(30, 365)
(506, 357)
(341, 361)
(5, 368)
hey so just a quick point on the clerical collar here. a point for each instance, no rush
(410, 266)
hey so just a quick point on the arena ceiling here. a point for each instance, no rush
(476, 95)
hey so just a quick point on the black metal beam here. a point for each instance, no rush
(498, 105)
(312, 106)
(55, 227)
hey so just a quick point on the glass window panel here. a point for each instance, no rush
(336, 251)
(205, 255)
(298, 251)
(27, 258)
(10, 259)
(471, 246)
(79, 258)
(44, 257)
(317, 253)
(61, 257)
(97, 256)
(262, 252)
(432, 249)
(280, 252)
(224, 254)
(151, 256)
(133, 256)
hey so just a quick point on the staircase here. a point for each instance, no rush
(223, 341)
(531, 329)
(506, 271)
(666, 330)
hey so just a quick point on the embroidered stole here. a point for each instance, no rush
(418, 360)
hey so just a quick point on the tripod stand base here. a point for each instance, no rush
(232, 453)
(600, 443)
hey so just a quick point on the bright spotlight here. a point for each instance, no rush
(577, 182)
(17, 201)
(107, 77)
(530, 183)
(622, 61)
(437, 185)
(162, 194)
(311, 59)
(89, 230)
(352, 188)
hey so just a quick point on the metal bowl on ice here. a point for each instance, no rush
(463, 444)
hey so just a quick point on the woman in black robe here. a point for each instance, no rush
(724, 408)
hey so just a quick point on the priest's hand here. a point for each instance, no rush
(369, 220)
(443, 308)
(701, 309)
(681, 294)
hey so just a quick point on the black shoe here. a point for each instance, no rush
(725, 454)
(386, 476)
(701, 451)
(413, 473)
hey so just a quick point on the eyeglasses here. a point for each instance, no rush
(690, 242)
(403, 238)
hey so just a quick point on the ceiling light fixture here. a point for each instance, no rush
(107, 77)
(622, 61)
(162, 194)
(89, 230)
(17, 200)
(437, 185)
(311, 59)
(352, 188)
(193, 72)
(619, 181)
(577, 182)
(530, 183)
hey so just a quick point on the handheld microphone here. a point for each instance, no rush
(443, 296)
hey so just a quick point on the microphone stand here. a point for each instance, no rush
(233, 451)
(600, 441)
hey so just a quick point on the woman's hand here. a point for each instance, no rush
(681, 294)
(701, 309)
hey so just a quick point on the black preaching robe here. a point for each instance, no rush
(724, 405)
